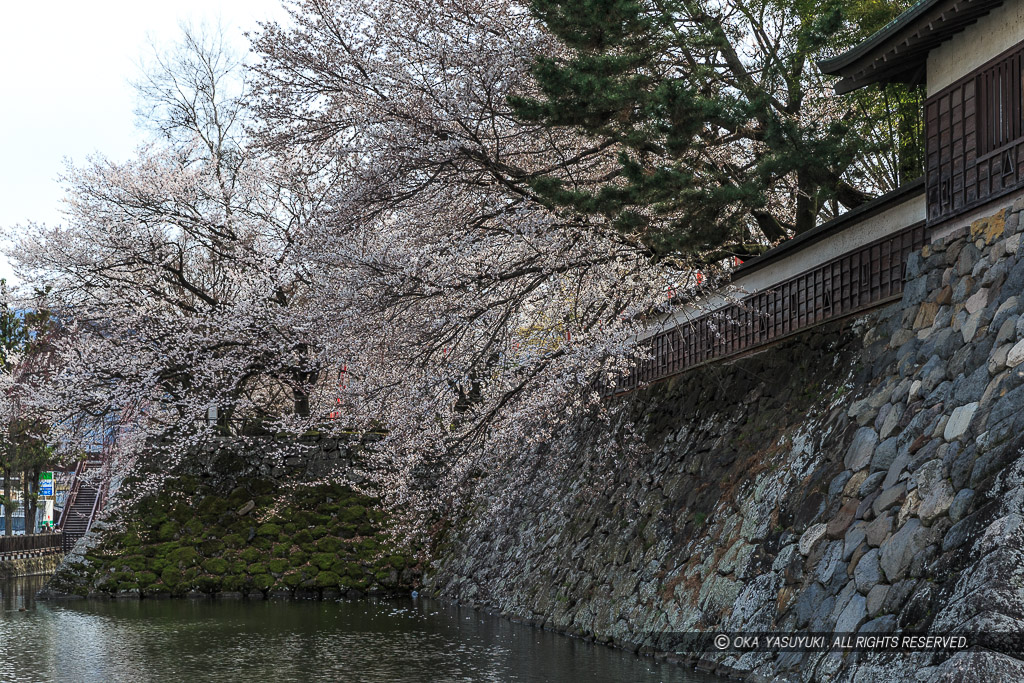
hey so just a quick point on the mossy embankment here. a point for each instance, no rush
(258, 539)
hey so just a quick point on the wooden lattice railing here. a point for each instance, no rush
(851, 283)
(33, 542)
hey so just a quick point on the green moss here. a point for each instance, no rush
(328, 544)
(177, 545)
(323, 560)
(166, 549)
(184, 557)
(238, 496)
(207, 583)
(234, 541)
(133, 563)
(157, 514)
(170, 576)
(262, 543)
(367, 548)
(269, 529)
(146, 579)
(193, 527)
(211, 547)
(353, 514)
(250, 555)
(215, 565)
(262, 581)
(235, 582)
(166, 531)
(327, 580)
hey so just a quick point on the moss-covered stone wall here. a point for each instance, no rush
(233, 535)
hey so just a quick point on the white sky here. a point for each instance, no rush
(64, 93)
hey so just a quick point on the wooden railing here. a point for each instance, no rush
(851, 283)
(50, 541)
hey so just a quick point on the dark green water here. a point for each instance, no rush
(385, 640)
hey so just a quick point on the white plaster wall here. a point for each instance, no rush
(894, 219)
(995, 33)
(942, 230)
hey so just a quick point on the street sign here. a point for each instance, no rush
(46, 483)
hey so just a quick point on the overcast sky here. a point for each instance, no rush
(65, 67)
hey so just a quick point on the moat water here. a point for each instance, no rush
(363, 640)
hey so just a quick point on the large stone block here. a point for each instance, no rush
(867, 573)
(884, 455)
(810, 538)
(889, 497)
(960, 421)
(934, 489)
(878, 530)
(961, 505)
(876, 599)
(853, 615)
(1015, 356)
(898, 551)
(861, 448)
(838, 525)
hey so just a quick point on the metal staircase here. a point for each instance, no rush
(84, 501)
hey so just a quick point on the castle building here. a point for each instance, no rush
(969, 56)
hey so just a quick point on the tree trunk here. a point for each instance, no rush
(301, 401)
(8, 521)
(806, 207)
(33, 486)
(28, 502)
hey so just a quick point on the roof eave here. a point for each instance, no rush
(898, 52)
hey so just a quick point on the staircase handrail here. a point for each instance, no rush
(95, 506)
(72, 494)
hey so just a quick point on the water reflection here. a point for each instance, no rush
(394, 640)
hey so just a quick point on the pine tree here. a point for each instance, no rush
(725, 138)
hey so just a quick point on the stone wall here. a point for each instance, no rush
(862, 477)
(251, 518)
(35, 565)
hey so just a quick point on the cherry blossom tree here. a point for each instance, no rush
(174, 275)
(27, 416)
(348, 237)
(473, 321)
